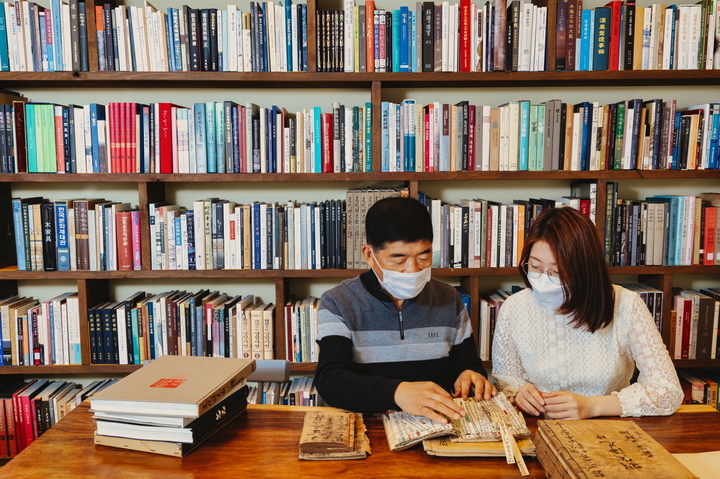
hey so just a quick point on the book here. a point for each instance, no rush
(182, 386)
(603, 448)
(333, 435)
(195, 432)
(446, 447)
(484, 420)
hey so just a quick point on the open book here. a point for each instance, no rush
(484, 421)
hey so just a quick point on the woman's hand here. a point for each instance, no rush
(469, 380)
(528, 399)
(567, 405)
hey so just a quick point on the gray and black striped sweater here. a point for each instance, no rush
(368, 346)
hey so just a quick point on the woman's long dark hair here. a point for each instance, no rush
(578, 251)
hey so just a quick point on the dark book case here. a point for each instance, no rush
(94, 286)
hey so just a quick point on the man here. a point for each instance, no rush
(392, 337)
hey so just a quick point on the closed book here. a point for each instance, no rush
(49, 247)
(194, 433)
(601, 42)
(182, 386)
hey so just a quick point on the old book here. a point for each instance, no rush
(446, 447)
(603, 448)
(484, 421)
(333, 435)
(181, 386)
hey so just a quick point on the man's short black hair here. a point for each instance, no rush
(397, 219)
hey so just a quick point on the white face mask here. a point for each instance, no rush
(548, 294)
(403, 285)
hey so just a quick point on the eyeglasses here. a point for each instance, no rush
(534, 272)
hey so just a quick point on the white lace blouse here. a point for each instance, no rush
(532, 344)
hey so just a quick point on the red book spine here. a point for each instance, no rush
(20, 142)
(426, 132)
(132, 140)
(112, 133)
(27, 422)
(59, 144)
(471, 138)
(370, 35)
(124, 241)
(465, 21)
(686, 329)
(326, 125)
(709, 235)
(10, 426)
(4, 450)
(119, 159)
(585, 207)
(164, 125)
(17, 419)
(615, 23)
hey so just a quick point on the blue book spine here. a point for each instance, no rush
(135, 330)
(4, 57)
(262, 9)
(712, 162)
(272, 140)
(676, 140)
(176, 39)
(82, 18)
(19, 235)
(151, 330)
(585, 39)
(601, 39)
(404, 39)
(399, 138)
(220, 137)
(178, 237)
(69, 162)
(32, 158)
(133, 54)
(317, 140)
(410, 145)
(304, 36)
(51, 317)
(169, 41)
(396, 40)
(199, 322)
(413, 41)
(368, 137)
(236, 139)
(94, 109)
(524, 143)
(256, 235)
(57, 36)
(210, 137)
(679, 227)
(190, 215)
(200, 145)
(44, 44)
(668, 10)
(289, 34)
(61, 235)
(585, 148)
(384, 136)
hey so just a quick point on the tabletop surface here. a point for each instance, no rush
(263, 441)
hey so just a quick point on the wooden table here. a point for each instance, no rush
(263, 442)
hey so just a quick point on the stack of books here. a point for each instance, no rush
(171, 405)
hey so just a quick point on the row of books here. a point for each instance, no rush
(552, 135)
(29, 409)
(622, 35)
(300, 321)
(76, 234)
(700, 386)
(268, 38)
(36, 333)
(171, 405)
(669, 230)
(694, 329)
(209, 137)
(147, 326)
(38, 39)
(433, 37)
(299, 391)
(491, 302)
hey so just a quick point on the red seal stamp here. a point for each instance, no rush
(168, 383)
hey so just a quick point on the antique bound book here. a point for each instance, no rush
(484, 421)
(333, 435)
(446, 447)
(603, 448)
(180, 386)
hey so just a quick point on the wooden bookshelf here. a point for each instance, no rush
(93, 286)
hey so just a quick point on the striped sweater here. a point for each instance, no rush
(368, 346)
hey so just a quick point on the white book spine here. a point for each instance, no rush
(348, 36)
(444, 36)
(232, 53)
(667, 37)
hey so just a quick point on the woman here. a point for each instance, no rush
(568, 344)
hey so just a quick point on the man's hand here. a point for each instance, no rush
(427, 399)
(530, 400)
(471, 380)
(567, 405)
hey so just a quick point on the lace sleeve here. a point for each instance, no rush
(507, 366)
(657, 391)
